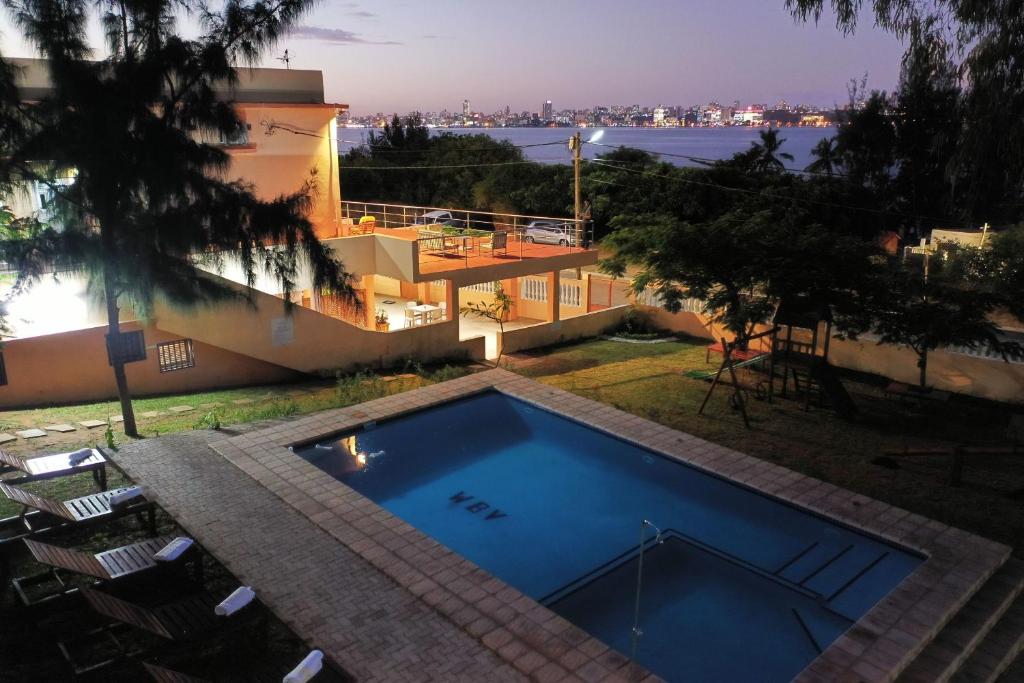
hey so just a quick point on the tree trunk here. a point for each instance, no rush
(114, 330)
(922, 364)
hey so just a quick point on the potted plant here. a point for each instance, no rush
(381, 321)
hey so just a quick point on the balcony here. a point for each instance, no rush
(450, 240)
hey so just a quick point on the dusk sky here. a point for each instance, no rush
(402, 55)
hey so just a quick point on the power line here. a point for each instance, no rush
(428, 167)
(760, 193)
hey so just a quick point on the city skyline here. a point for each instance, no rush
(397, 56)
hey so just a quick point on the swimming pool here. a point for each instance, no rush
(742, 587)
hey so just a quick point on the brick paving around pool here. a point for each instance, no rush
(495, 624)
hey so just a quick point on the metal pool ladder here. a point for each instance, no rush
(637, 631)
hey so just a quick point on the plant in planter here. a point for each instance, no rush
(381, 321)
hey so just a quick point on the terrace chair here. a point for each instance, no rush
(431, 240)
(39, 514)
(109, 565)
(53, 466)
(410, 315)
(497, 242)
(367, 224)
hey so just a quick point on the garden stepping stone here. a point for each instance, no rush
(242, 401)
(117, 418)
(59, 428)
(7, 438)
(207, 406)
(152, 413)
(180, 409)
(31, 433)
(93, 424)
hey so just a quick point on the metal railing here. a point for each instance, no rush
(470, 222)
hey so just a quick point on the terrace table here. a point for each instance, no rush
(424, 312)
(460, 244)
(57, 465)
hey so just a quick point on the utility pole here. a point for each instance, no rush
(576, 147)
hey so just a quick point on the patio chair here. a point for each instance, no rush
(431, 241)
(109, 565)
(410, 315)
(55, 465)
(39, 514)
(497, 242)
(367, 224)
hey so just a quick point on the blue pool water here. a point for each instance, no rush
(741, 586)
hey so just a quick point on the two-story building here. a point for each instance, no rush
(413, 275)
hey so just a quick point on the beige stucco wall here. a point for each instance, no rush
(308, 341)
(72, 367)
(991, 379)
(545, 334)
(278, 162)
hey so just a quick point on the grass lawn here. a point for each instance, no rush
(647, 380)
(227, 407)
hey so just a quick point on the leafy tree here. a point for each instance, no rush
(497, 312)
(149, 192)
(926, 313)
(405, 164)
(986, 38)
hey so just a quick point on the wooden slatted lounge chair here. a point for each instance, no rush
(234, 664)
(109, 565)
(53, 466)
(183, 620)
(41, 514)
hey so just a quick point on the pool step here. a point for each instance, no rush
(970, 629)
(997, 651)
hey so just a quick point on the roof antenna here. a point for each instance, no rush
(286, 58)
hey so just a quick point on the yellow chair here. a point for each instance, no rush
(367, 224)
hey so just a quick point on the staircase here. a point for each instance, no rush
(983, 640)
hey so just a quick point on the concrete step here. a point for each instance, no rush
(997, 651)
(956, 642)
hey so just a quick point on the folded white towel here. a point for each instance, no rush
(307, 668)
(79, 456)
(124, 495)
(241, 597)
(173, 550)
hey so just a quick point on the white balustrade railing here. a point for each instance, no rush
(533, 289)
(570, 294)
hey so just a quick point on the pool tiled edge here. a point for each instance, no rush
(545, 646)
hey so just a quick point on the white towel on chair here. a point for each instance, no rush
(125, 495)
(241, 597)
(79, 456)
(173, 550)
(307, 668)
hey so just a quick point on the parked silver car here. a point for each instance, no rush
(550, 232)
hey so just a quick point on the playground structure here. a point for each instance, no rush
(795, 362)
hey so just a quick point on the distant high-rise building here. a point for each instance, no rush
(547, 111)
(465, 111)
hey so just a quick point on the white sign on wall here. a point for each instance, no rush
(282, 331)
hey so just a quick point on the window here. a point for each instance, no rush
(131, 347)
(3, 371)
(239, 138)
(175, 355)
